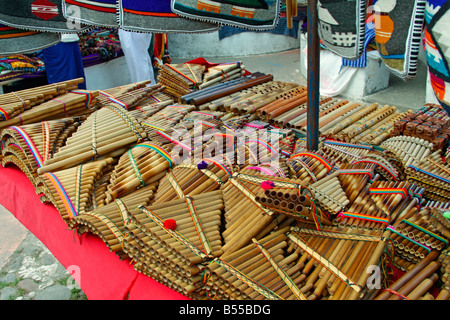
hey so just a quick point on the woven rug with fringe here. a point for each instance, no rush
(37, 15)
(250, 14)
(13, 41)
(157, 16)
(92, 12)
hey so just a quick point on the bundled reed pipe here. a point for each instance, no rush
(104, 132)
(70, 190)
(73, 103)
(142, 164)
(193, 237)
(14, 103)
(252, 80)
(32, 144)
(109, 221)
(221, 73)
(189, 180)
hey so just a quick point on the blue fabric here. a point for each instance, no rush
(361, 62)
(63, 62)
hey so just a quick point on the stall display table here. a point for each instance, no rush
(103, 276)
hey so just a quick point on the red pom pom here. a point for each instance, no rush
(170, 224)
(267, 185)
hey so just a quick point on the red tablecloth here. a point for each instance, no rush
(102, 275)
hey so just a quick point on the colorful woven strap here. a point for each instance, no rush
(159, 150)
(392, 229)
(363, 217)
(426, 231)
(429, 173)
(114, 99)
(34, 151)
(401, 191)
(136, 170)
(218, 164)
(198, 226)
(88, 94)
(62, 194)
(316, 156)
(369, 172)
(4, 114)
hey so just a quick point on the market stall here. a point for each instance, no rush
(224, 183)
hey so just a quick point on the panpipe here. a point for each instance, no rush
(249, 81)
(344, 152)
(105, 133)
(70, 189)
(309, 167)
(73, 103)
(410, 149)
(411, 279)
(127, 99)
(444, 259)
(222, 72)
(416, 236)
(14, 103)
(431, 123)
(245, 217)
(188, 179)
(166, 118)
(260, 270)
(179, 237)
(337, 262)
(144, 163)
(108, 222)
(28, 146)
(180, 79)
(433, 174)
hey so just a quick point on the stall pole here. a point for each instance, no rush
(312, 135)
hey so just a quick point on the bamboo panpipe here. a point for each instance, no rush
(89, 141)
(70, 189)
(353, 118)
(28, 98)
(112, 217)
(252, 81)
(66, 105)
(142, 164)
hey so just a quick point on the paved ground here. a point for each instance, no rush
(28, 270)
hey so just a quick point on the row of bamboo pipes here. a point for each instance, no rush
(15, 103)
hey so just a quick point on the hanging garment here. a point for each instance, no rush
(135, 48)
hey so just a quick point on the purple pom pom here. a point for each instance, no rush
(202, 165)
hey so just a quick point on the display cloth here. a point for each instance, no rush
(37, 15)
(436, 39)
(102, 275)
(157, 16)
(92, 12)
(251, 14)
(13, 40)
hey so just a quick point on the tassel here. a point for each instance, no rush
(202, 165)
(266, 185)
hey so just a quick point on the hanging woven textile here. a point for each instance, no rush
(250, 14)
(156, 16)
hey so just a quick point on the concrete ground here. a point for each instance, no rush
(28, 270)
